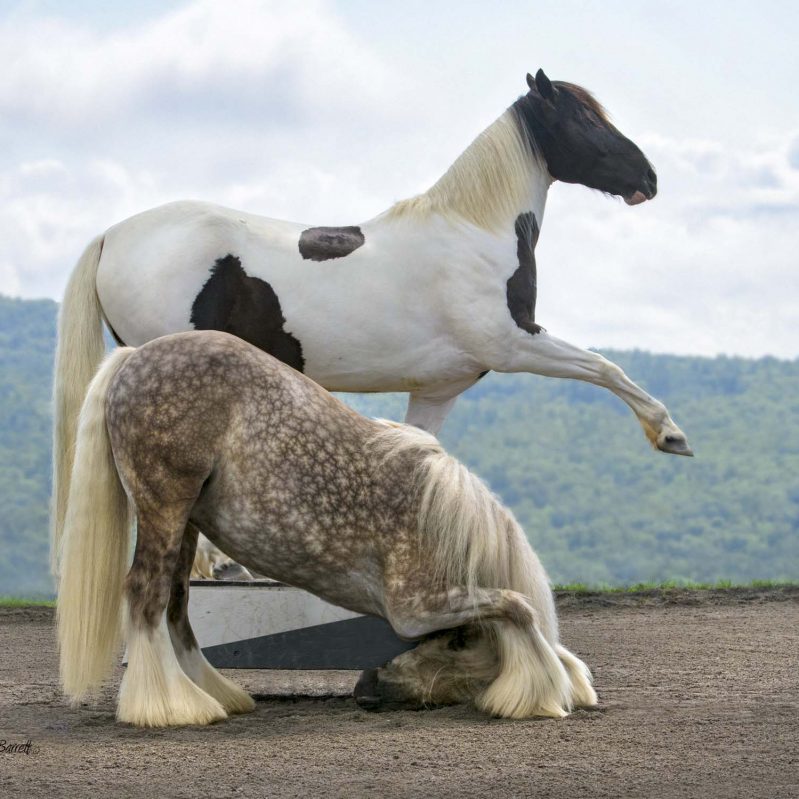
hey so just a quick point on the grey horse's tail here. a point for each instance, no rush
(94, 547)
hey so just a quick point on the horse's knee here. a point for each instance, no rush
(611, 373)
(407, 627)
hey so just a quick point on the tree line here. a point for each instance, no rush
(597, 503)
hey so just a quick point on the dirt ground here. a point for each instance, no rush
(699, 697)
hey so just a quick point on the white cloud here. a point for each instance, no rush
(267, 59)
(709, 266)
(229, 102)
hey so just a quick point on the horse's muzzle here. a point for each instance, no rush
(649, 188)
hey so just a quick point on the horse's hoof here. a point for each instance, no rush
(231, 571)
(376, 695)
(675, 445)
(367, 693)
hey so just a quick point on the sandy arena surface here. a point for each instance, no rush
(699, 697)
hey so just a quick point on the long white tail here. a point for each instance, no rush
(80, 349)
(94, 547)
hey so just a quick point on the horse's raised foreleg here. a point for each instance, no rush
(232, 698)
(543, 354)
(155, 691)
(532, 680)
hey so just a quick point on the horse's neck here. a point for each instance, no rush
(494, 180)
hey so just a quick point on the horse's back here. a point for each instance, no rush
(188, 217)
(201, 389)
(209, 363)
(155, 264)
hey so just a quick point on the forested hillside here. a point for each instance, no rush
(27, 342)
(597, 502)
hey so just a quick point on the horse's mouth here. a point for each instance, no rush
(636, 199)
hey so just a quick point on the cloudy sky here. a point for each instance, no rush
(327, 112)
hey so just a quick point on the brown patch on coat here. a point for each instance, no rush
(326, 243)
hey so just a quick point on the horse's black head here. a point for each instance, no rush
(570, 130)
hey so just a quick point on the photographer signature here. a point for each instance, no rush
(26, 748)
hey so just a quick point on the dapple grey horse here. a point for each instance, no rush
(202, 430)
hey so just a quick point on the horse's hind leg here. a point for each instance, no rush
(428, 408)
(155, 692)
(232, 698)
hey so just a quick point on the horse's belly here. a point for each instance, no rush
(356, 584)
(261, 521)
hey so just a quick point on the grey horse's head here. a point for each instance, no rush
(447, 668)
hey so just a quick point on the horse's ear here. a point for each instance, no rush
(544, 85)
(530, 81)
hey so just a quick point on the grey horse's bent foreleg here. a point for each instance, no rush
(210, 563)
(532, 680)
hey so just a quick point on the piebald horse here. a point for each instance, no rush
(203, 430)
(424, 298)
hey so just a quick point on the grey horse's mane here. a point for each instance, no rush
(474, 540)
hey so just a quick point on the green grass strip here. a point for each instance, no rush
(25, 602)
(575, 588)
(587, 588)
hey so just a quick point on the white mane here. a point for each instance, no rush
(489, 183)
(473, 539)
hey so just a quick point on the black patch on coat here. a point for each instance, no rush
(325, 243)
(483, 374)
(247, 307)
(522, 285)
